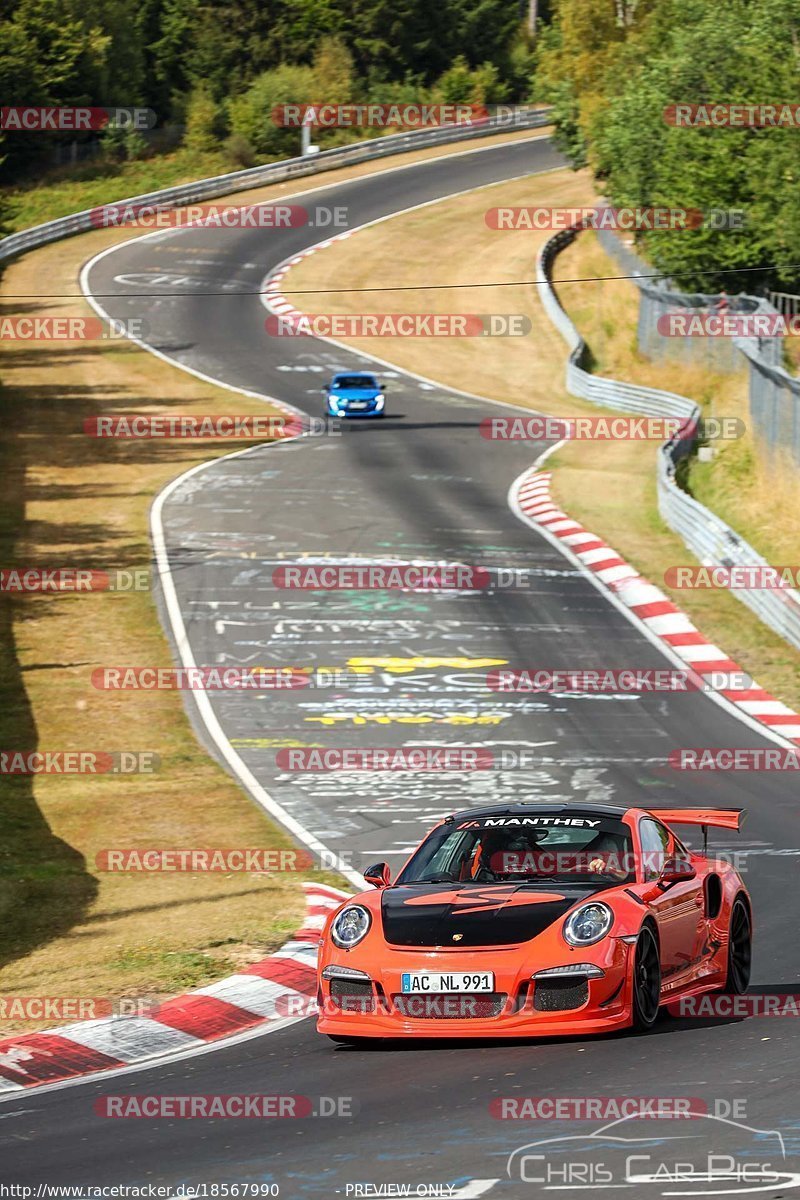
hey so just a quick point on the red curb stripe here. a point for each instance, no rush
(322, 889)
(205, 1017)
(294, 975)
(604, 563)
(709, 667)
(52, 1058)
(659, 608)
(686, 639)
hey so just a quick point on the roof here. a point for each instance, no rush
(528, 807)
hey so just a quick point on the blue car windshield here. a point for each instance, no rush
(355, 381)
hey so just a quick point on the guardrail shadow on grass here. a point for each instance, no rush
(47, 888)
(44, 886)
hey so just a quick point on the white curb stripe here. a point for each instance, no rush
(128, 1038)
(250, 992)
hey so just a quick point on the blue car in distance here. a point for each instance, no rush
(355, 394)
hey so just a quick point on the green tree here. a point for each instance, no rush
(333, 71)
(202, 122)
(252, 115)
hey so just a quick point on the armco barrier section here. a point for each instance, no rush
(774, 393)
(276, 172)
(708, 538)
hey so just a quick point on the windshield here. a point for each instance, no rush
(355, 381)
(526, 850)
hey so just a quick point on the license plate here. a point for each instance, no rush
(423, 983)
(357, 404)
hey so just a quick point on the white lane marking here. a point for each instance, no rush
(317, 922)
(209, 717)
(473, 1189)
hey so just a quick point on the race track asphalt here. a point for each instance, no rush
(419, 485)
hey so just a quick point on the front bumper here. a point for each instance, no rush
(374, 410)
(379, 1009)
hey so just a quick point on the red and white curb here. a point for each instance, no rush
(231, 1006)
(662, 618)
(273, 296)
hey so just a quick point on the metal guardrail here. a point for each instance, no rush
(708, 537)
(290, 168)
(658, 297)
(774, 393)
(787, 303)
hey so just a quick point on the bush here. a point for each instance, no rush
(334, 72)
(203, 122)
(462, 84)
(122, 145)
(455, 85)
(251, 114)
(486, 85)
(239, 151)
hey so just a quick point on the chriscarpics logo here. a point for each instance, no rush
(712, 1156)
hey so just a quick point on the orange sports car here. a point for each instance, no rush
(537, 919)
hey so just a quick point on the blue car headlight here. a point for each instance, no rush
(379, 399)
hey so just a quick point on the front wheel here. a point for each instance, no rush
(737, 977)
(646, 981)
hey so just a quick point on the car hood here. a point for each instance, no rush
(354, 393)
(483, 915)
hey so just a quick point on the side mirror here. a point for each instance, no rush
(675, 870)
(378, 875)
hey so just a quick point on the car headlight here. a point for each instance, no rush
(380, 398)
(350, 926)
(333, 398)
(588, 924)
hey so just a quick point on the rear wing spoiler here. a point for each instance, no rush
(721, 818)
